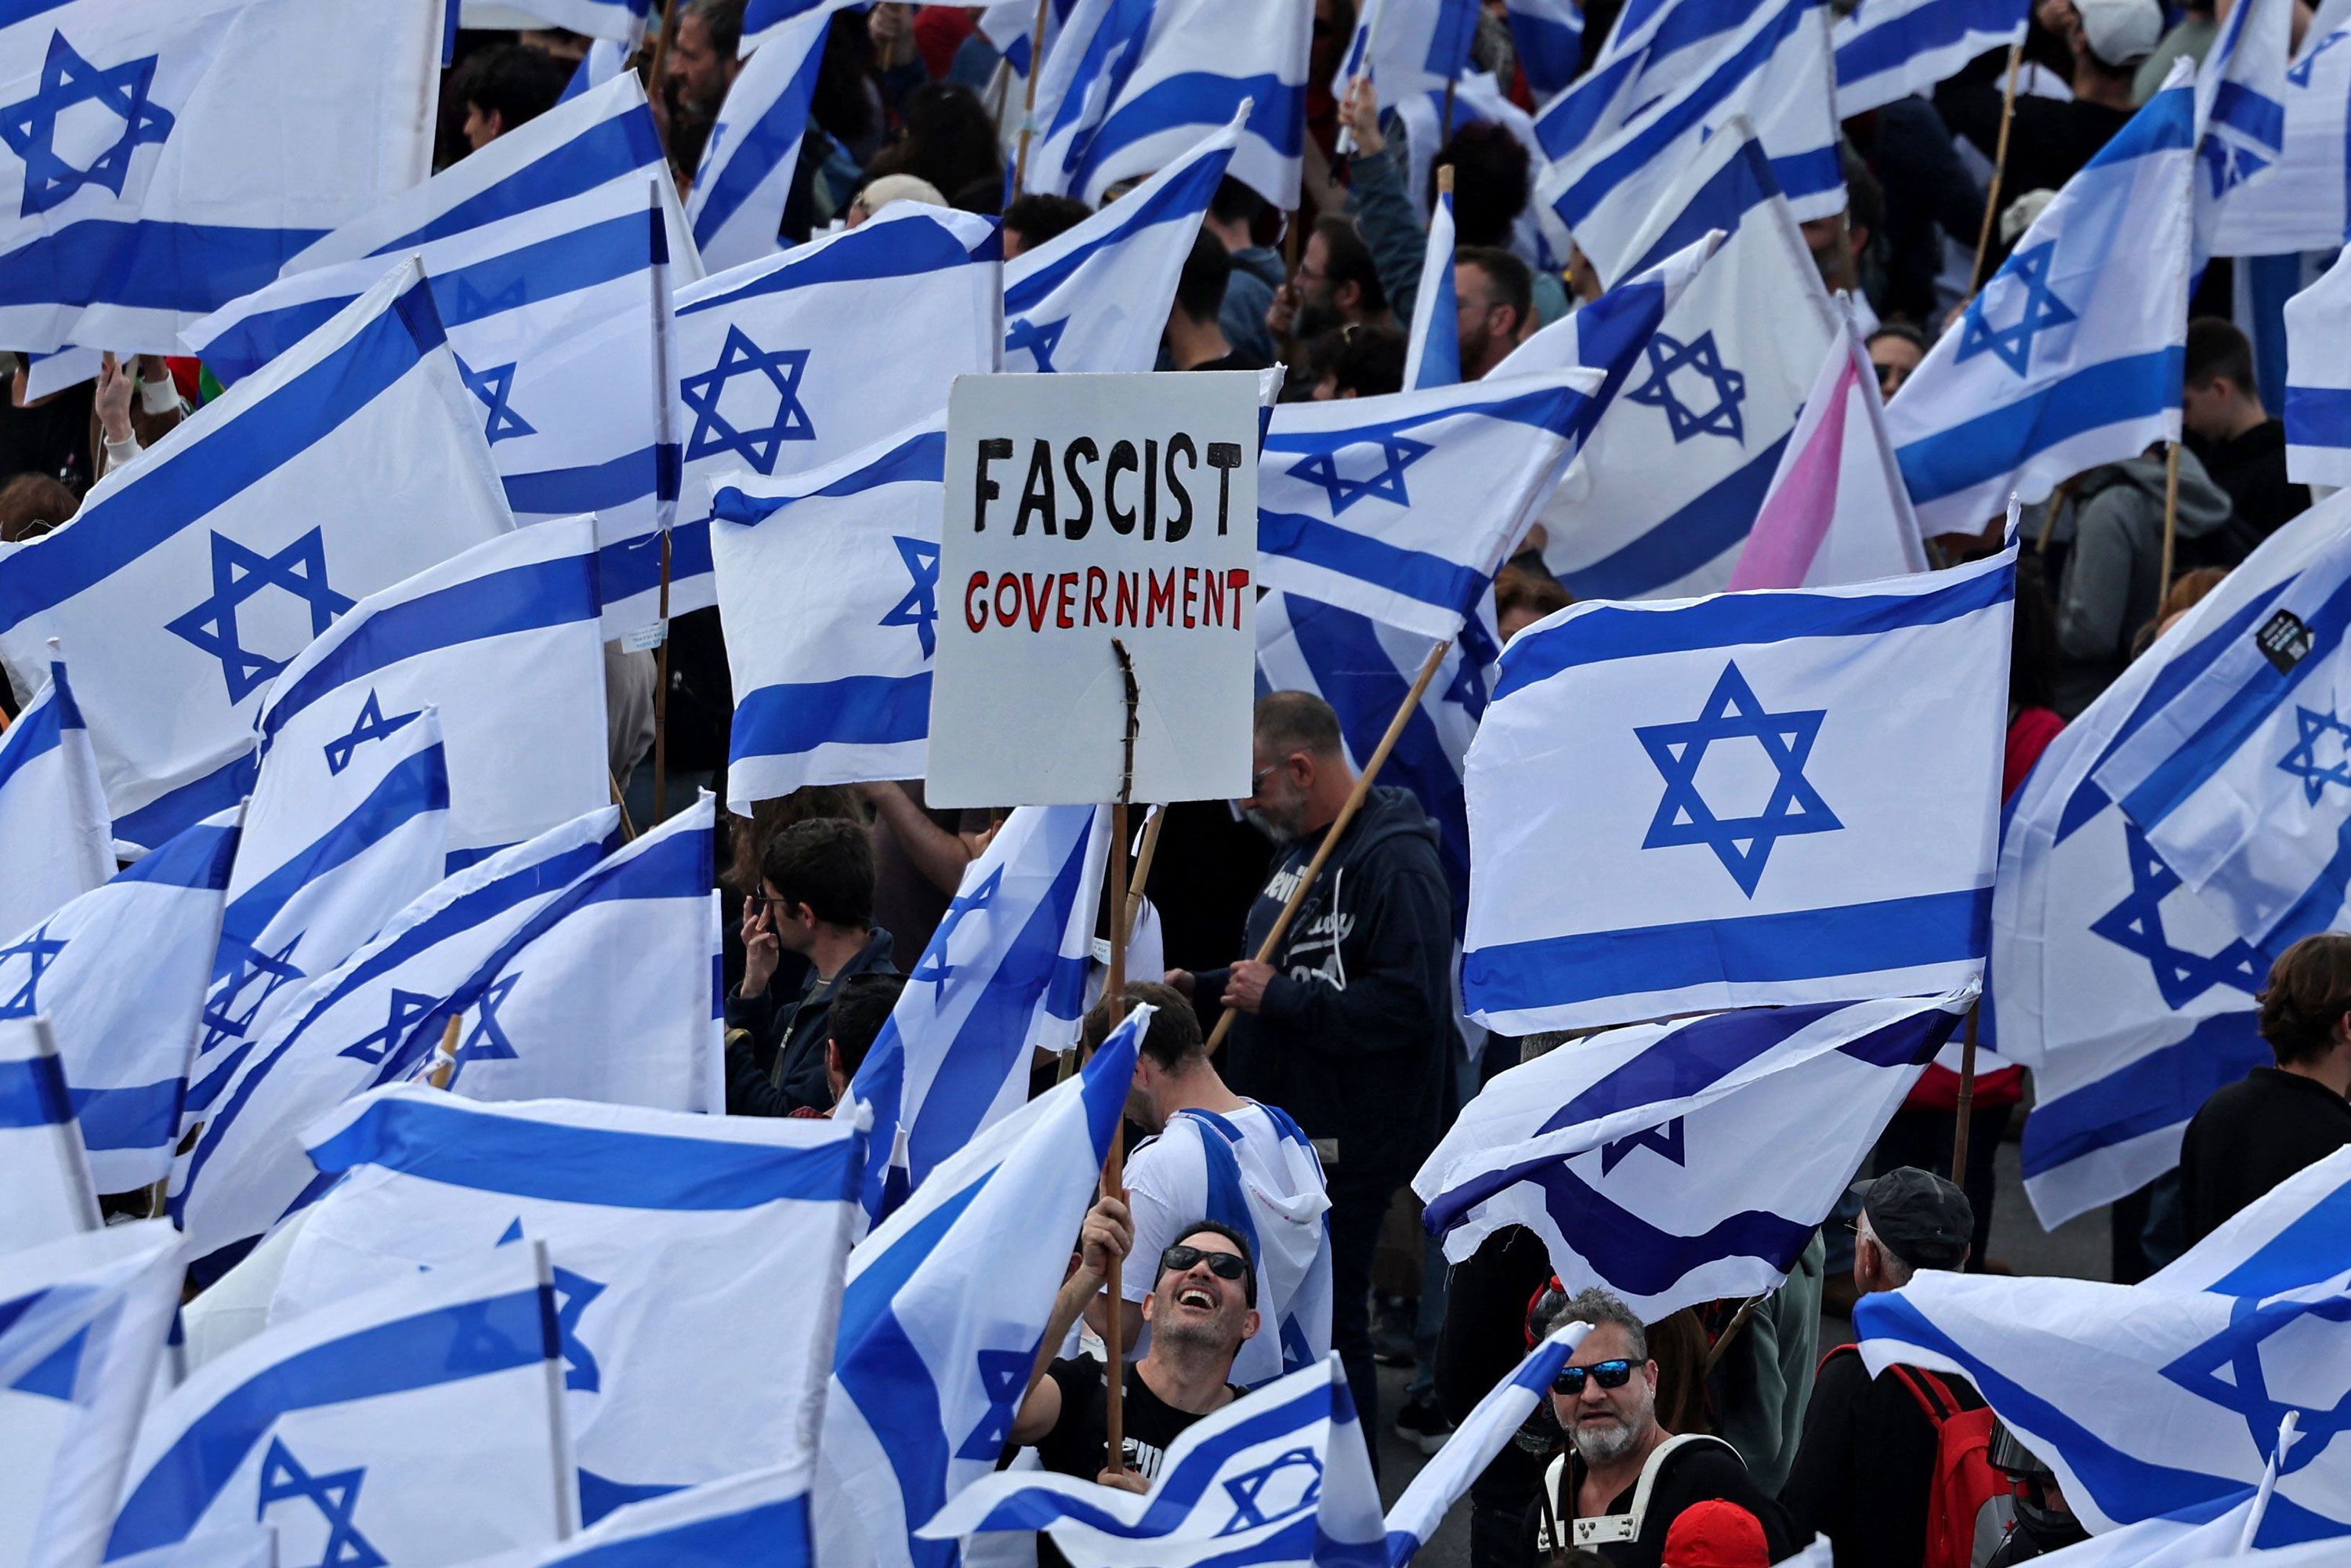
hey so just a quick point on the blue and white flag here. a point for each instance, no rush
(605, 60)
(83, 1319)
(1337, 521)
(1889, 49)
(1432, 355)
(668, 1233)
(2317, 410)
(505, 641)
(1791, 869)
(831, 582)
(757, 1516)
(1003, 978)
(1697, 420)
(1408, 47)
(1654, 1161)
(125, 1047)
(1651, 47)
(620, 20)
(1277, 1477)
(946, 1304)
(2164, 1398)
(230, 1546)
(1437, 1485)
(419, 1422)
(2241, 782)
(1771, 72)
(45, 1189)
(345, 1034)
(1549, 35)
(1128, 86)
(2071, 355)
(2300, 203)
(1095, 297)
(188, 579)
(737, 207)
(56, 838)
(1011, 26)
(159, 158)
(2241, 87)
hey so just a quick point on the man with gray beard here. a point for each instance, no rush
(1624, 1479)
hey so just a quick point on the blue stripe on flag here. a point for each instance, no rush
(175, 811)
(2318, 416)
(773, 1533)
(903, 247)
(631, 567)
(34, 735)
(148, 265)
(2161, 1089)
(1201, 100)
(33, 1093)
(198, 859)
(916, 460)
(2258, 116)
(1743, 183)
(1922, 30)
(1411, 574)
(761, 148)
(853, 710)
(597, 156)
(1182, 198)
(1550, 407)
(1700, 531)
(587, 486)
(136, 1116)
(2114, 392)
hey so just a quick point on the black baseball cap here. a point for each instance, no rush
(1923, 1219)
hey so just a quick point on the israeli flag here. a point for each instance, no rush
(1651, 47)
(1096, 296)
(85, 1317)
(323, 862)
(1608, 333)
(604, 60)
(1770, 71)
(620, 20)
(1127, 87)
(1278, 1476)
(2163, 1398)
(1437, 1485)
(2071, 355)
(422, 1421)
(56, 838)
(737, 207)
(668, 1233)
(2317, 382)
(2299, 205)
(1432, 356)
(946, 1304)
(346, 1033)
(1679, 465)
(192, 577)
(1010, 26)
(1408, 47)
(2240, 88)
(758, 1516)
(1653, 1161)
(505, 640)
(1804, 881)
(126, 1048)
(1003, 978)
(1550, 38)
(1889, 49)
(1337, 521)
(45, 1189)
(161, 158)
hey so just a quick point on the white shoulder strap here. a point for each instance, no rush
(1657, 1464)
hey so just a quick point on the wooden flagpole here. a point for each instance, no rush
(445, 1061)
(1999, 166)
(671, 13)
(1115, 991)
(1029, 113)
(2170, 519)
(1355, 797)
(1966, 1099)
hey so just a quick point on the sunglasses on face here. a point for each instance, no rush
(1607, 1373)
(1182, 1259)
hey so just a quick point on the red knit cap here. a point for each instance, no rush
(1716, 1534)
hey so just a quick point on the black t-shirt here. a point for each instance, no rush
(1692, 1473)
(2250, 1136)
(2252, 468)
(1864, 1471)
(1079, 1444)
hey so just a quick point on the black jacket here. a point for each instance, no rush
(781, 1068)
(1352, 1037)
(2252, 1134)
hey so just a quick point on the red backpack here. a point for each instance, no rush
(1969, 1503)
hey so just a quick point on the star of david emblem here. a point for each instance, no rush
(487, 1040)
(920, 608)
(573, 1292)
(222, 1022)
(407, 1007)
(2229, 1370)
(493, 386)
(2313, 726)
(757, 445)
(2299, 72)
(1666, 1140)
(38, 951)
(238, 574)
(1700, 356)
(1744, 844)
(30, 127)
(2042, 309)
(1468, 690)
(2228, 162)
(473, 302)
(335, 1496)
(1003, 1373)
(933, 966)
(370, 726)
(2136, 926)
(1299, 1470)
(1397, 453)
(1037, 339)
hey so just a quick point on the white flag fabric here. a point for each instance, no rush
(1408, 46)
(830, 581)
(1653, 1161)
(624, 20)
(759, 1516)
(2070, 355)
(230, 1546)
(1002, 978)
(926, 1379)
(45, 1189)
(125, 1047)
(85, 1318)
(347, 1033)
(1432, 355)
(422, 1421)
(2317, 410)
(1095, 297)
(505, 640)
(1278, 1476)
(193, 575)
(1836, 510)
(1126, 89)
(1888, 50)
(162, 157)
(2240, 116)
(2301, 203)
(56, 838)
(1437, 1485)
(1674, 474)
(1789, 870)
(737, 207)
(1651, 47)
(668, 1233)
(1549, 35)
(2163, 1398)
